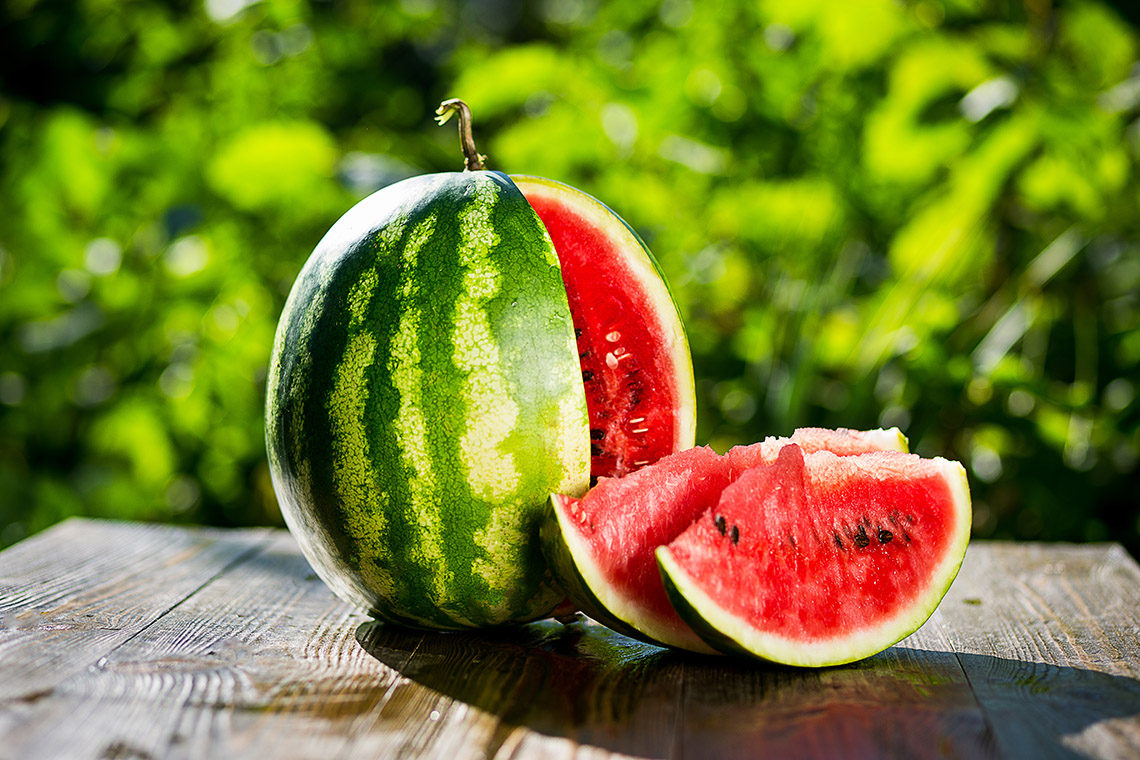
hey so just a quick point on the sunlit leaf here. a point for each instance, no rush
(1103, 49)
(273, 165)
(918, 128)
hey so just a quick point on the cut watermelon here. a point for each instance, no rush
(601, 547)
(425, 393)
(821, 560)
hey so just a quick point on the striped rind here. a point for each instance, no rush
(651, 278)
(424, 398)
(733, 635)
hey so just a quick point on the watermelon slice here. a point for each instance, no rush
(601, 547)
(842, 442)
(820, 560)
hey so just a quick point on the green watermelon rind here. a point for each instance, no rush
(648, 272)
(572, 566)
(731, 635)
(710, 635)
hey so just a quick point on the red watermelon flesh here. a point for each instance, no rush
(820, 559)
(601, 547)
(635, 360)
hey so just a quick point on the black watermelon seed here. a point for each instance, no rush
(597, 434)
(720, 524)
(885, 535)
(587, 375)
(861, 539)
(577, 332)
(735, 535)
(595, 449)
(838, 540)
(792, 539)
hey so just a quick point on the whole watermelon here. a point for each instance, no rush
(429, 388)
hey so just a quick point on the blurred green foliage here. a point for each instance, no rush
(919, 213)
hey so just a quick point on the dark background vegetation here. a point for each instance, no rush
(886, 212)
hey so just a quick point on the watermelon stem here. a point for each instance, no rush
(472, 161)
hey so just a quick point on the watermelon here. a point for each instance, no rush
(438, 370)
(819, 559)
(601, 547)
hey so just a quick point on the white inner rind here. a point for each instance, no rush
(646, 272)
(853, 646)
(891, 439)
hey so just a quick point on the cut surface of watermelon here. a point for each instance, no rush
(636, 366)
(840, 441)
(601, 547)
(821, 559)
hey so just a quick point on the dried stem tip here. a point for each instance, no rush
(472, 161)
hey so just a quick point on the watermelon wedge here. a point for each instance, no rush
(601, 547)
(820, 560)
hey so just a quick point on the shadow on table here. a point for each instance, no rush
(596, 687)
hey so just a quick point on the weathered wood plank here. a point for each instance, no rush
(264, 658)
(1049, 637)
(261, 659)
(72, 594)
(1034, 653)
(236, 666)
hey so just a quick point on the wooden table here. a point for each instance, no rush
(123, 640)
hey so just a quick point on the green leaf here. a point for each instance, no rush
(273, 166)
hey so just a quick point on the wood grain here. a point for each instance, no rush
(262, 641)
(74, 593)
(127, 641)
(911, 701)
(1049, 637)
